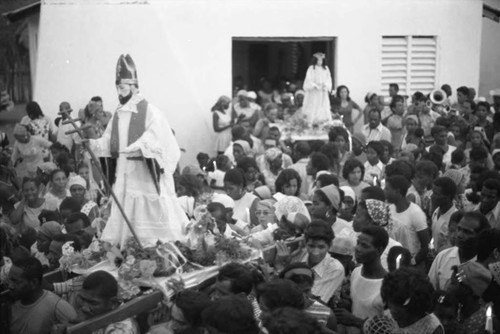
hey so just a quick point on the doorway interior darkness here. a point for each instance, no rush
(277, 59)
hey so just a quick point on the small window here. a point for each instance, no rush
(409, 61)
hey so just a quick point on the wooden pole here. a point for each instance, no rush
(85, 144)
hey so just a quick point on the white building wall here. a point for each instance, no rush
(490, 54)
(182, 48)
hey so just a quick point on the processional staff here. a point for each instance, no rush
(79, 130)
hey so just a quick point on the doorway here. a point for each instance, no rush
(277, 59)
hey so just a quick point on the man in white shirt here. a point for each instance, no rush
(62, 137)
(375, 130)
(468, 230)
(408, 222)
(329, 272)
(490, 202)
(366, 280)
(443, 193)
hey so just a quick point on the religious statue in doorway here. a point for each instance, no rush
(317, 87)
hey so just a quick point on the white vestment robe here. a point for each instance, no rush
(153, 216)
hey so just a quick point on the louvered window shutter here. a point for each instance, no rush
(409, 61)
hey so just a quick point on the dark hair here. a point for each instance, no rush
(47, 216)
(27, 179)
(281, 293)
(54, 172)
(103, 283)
(33, 110)
(387, 144)
(246, 163)
(419, 96)
(76, 216)
(375, 111)
(302, 148)
(483, 104)
(338, 131)
(327, 179)
(395, 86)
(488, 240)
(332, 153)
(235, 176)
(448, 187)
(464, 90)
(400, 167)
(298, 279)
(319, 230)
(400, 183)
(240, 276)
(396, 99)
(319, 161)
(71, 204)
(437, 129)
(379, 235)
(230, 314)
(314, 61)
(191, 183)
(374, 192)
(238, 132)
(472, 104)
(492, 184)
(394, 253)
(377, 147)
(427, 167)
(96, 99)
(447, 89)
(480, 218)
(288, 320)
(192, 303)
(484, 175)
(409, 288)
(339, 88)
(478, 153)
(457, 156)
(31, 267)
(284, 178)
(350, 165)
(456, 217)
(222, 160)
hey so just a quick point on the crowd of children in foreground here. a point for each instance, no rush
(401, 224)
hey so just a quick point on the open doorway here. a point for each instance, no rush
(277, 59)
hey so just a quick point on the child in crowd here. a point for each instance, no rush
(395, 122)
(221, 209)
(374, 168)
(216, 178)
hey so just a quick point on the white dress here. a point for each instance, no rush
(223, 138)
(317, 85)
(154, 216)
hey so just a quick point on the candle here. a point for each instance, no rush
(248, 215)
(215, 165)
(489, 320)
(398, 261)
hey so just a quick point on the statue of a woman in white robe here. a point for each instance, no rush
(317, 87)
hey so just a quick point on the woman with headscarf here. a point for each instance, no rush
(45, 235)
(326, 205)
(222, 121)
(78, 187)
(372, 212)
(241, 149)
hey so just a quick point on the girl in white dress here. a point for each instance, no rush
(222, 122)
(317, 85)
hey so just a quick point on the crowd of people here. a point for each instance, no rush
(400, 219)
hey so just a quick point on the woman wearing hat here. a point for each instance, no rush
(317, 85)
(78, 187)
